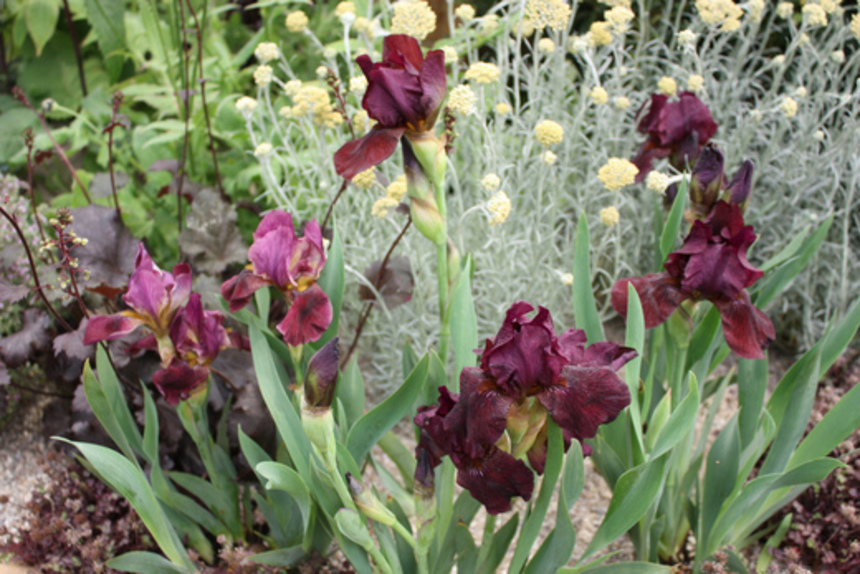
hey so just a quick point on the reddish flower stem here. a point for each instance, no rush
(73, 33)
(28, 140)
(365, 314)
(333, 203)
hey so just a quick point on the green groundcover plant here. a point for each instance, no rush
(503, 424)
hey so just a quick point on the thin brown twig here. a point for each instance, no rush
(40, 392)
(185, 97)
(334, 202)
(28, 140)
(198, 28)
(117, 102)
(33, 269)
(21, 97)
(365, 314)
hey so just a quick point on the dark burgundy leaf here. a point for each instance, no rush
(72, 344)
(10, 293)
(32, 338)
(211, 236)
(110, 250)
(395, 284)
(4, 375)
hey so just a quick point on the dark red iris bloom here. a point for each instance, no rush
(499, 420)
(291, 264)
(676, 130)
(404, 94)
(708, 183)
(711, 265)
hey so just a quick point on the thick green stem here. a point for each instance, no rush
(444, 318)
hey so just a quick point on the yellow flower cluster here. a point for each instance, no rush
(600, 34)
(344, 8)
(263, 76)
(667, 86)
(489, 23)
(723, 13)
(546, 45)
(622, 102)
(263, 150)
(499, 207)
(548, 157)
(266, 51)
(617, 173)
(756, 10)
(491, 182)
(609, 216)
(789, 107)
(553, 14)
(695, 83)
(815, 15)
(292, 87)
(382, 205)
(483, 73)
(365, 179)
(503, 108)
(687, 37)
(357, 85)
(657, 181)
(599, 95)
(462, 100)
(549, 133)
(363, 26)
(314, 101)
(360, 121)
(416, 19)
(830, 6)
(297, 21)
(619, 18)
(784, 10)
(465, 12)
(395, 192)
(614, 3)
(246, 106)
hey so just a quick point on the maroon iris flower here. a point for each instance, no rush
(708, 183)
(499, 420)
(154, 296)
(291, 264)
(676, 130)
(712, 265)
(404, 94)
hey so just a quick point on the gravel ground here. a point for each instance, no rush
(21, 453)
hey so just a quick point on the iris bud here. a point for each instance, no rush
(368, 503)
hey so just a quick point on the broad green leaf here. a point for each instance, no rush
(215, 499)
(41, 17)
(786, 252)
(635, 339)
(350, 390)
(403, 457)
(837, 425)
(673, 222)
(721, 475)
(681, 421)
(144, 563)
(774, 542)
(775, 283)
(464, 324)
(501, 541)
(106, 19)
(534, 522)
(633, 494)
(281, 557)
(584, 305)
(263, 301)
(332, 280)
(279, 404)
(557, 549)
(373, 426)
(752, 386)
(131, 483)
(282, 477)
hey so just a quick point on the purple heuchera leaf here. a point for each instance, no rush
(292, 264)
(676, 130)
(33, 337)
(154, 296)
(526, 376)
(711, 265)
(110, 249)
(404, 95)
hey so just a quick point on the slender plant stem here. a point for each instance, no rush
(198, 29)
(117, 101)
(40, 392)
(73, 33)
(33, 269)
(28, 139)
(334, 202)
(185, 98)
(366, 312)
